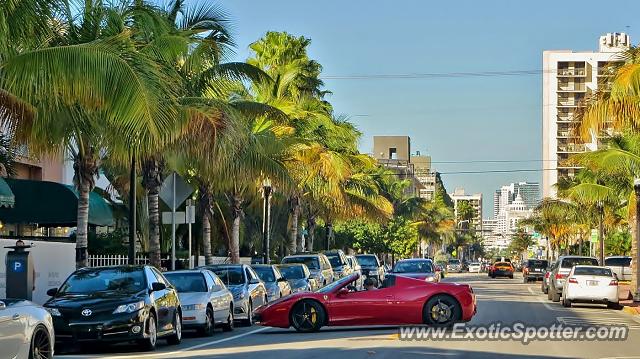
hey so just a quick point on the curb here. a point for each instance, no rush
(631, 310)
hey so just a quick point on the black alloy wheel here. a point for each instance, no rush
(40, 344)
(442, 311)
(307, 316)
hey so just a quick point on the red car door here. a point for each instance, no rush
(362, 307)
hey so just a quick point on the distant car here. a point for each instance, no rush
(620, 265)
(339, 263)
(116, 304)
(26, 330)
(277, 286)
(317, 263)
(206, 301)
(454, 265)
(335, 305)
(246, 287)
(299, 277)
(443, 268)
(561, 270)
(544, 286)
(417, 268)
(357, 269)
(501, 269)
(371, 266)
(590, 284)
(534, 269)
(475, 267)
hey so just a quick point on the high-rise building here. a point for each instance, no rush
(496, 203)
(529, 192)
(568, 78)
(475, 200)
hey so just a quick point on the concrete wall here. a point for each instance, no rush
(382, 144)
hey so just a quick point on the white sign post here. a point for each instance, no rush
(173, 192)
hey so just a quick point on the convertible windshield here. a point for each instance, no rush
(368, 261)
(292, 272)
(336, 284)
(265, 273)
(127, 280)
(413, 267)
(311, 262)
(187, 282)
(230, 275)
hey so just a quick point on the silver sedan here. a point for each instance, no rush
(26, 330)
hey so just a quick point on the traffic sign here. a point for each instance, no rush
(181, 191)
(594, 236)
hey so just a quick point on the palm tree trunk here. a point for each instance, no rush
(236, 209)
(311, 228)
(206, 239)
(85, 167)
(152, 181)
(83, 224)
(294, 243)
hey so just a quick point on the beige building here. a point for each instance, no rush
(568, 78)
(394, 153)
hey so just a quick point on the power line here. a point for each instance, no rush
(493, 161)
(438, 75)
(473, 172)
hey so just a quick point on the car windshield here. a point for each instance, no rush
(537, 263)
(230, 275)
(595, 271)
(572, 262)
(292, 272)
(335, 261)
(265, 273)
(311, 262)
(369, 261)
(126, 280)
(336, 284)
(413, 267)
(187, 282)
(618, 262)
(454, 261)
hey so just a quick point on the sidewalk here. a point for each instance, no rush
(628, 305)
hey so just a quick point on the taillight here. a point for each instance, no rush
(572, 280)
(613, 282)
(560, 276)
(546, 275)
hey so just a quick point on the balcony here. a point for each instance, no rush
(565, 134)
(575, 72)
(564, 118)
(572, 87)
(572, 148)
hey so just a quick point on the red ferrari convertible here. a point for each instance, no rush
(399, 301)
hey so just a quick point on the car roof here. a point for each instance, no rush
(617, 257)
(563, 257)
(195, 270)
(93, 269)
(216, 266)
(304, 255)
(262, 265)
(587, 266)
(290, 264)
(415, 260)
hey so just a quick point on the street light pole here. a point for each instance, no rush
(636, 264)
(601, 231)
(266, 210)
(132, 210)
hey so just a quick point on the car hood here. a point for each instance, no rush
(416, 275)
(369, 267)
(98, 299)
(193, 298)
(297, 283)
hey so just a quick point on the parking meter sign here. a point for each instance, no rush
(17, 266)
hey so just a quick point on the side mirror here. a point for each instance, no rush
(2, 305)
(342, 292)
(157, 286)
(52, 292)
(254, 281)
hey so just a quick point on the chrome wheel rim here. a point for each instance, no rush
(208, 325)
(178, 326)
(152, 331)
(442, 312)
(41, 345)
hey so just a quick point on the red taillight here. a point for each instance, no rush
(526, 270)
(560, 276)
(613, 282)
(546, 275)
(572, 280)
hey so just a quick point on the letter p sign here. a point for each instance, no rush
(18, 266)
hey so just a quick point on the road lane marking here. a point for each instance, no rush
(598, 321)
(160, 354)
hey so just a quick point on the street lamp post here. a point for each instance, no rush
(267, 191)
(636, 264)
(132, 210)
(601, 231)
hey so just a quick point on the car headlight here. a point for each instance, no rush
(54, 312)
(238, 295)
(129, 308)
(193, 307)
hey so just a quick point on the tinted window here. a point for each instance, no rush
(618, 262)
(371, 261)
(596, 271)
(187, 282)
(292, 272)
(127, 280)
(230, 275)
(502, 264)
(570, 262)
(335, 261)
(265, 273)
(537, 263)
(311, 262)
(413, 267)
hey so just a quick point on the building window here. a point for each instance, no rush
(393, 153)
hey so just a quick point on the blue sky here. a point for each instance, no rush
(451, 119)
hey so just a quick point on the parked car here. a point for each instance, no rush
(26, 330)
(620, 265)
(277, 286)
(116, 304)
(299, 277)
(206, 301)
(317, 263)
(357, 269)
(416, 268)
(590, 284)
(454, 265)
(339, 263)
(443, 268)
(246, 287)
(561, 270)
(501, 269)
(534, 269)
(545, 278)
(475, 267)
(371, 266)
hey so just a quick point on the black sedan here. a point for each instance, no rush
(116, 304)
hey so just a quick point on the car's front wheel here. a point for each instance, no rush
(149, 343)
(228, 326)
(442, 310)
(208, 328)
(307, 316)
(40, 344)
(249, 321)
(176, 337)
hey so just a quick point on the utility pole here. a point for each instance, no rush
(132, 209)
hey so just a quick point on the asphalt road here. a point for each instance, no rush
(504, 300)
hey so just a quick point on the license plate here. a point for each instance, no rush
(592, 282)
(537, 269)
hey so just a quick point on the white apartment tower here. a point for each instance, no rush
(568, 77)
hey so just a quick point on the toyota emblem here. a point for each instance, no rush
(86, 312)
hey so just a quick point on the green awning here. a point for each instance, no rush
(52, 204)
(7, 199)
